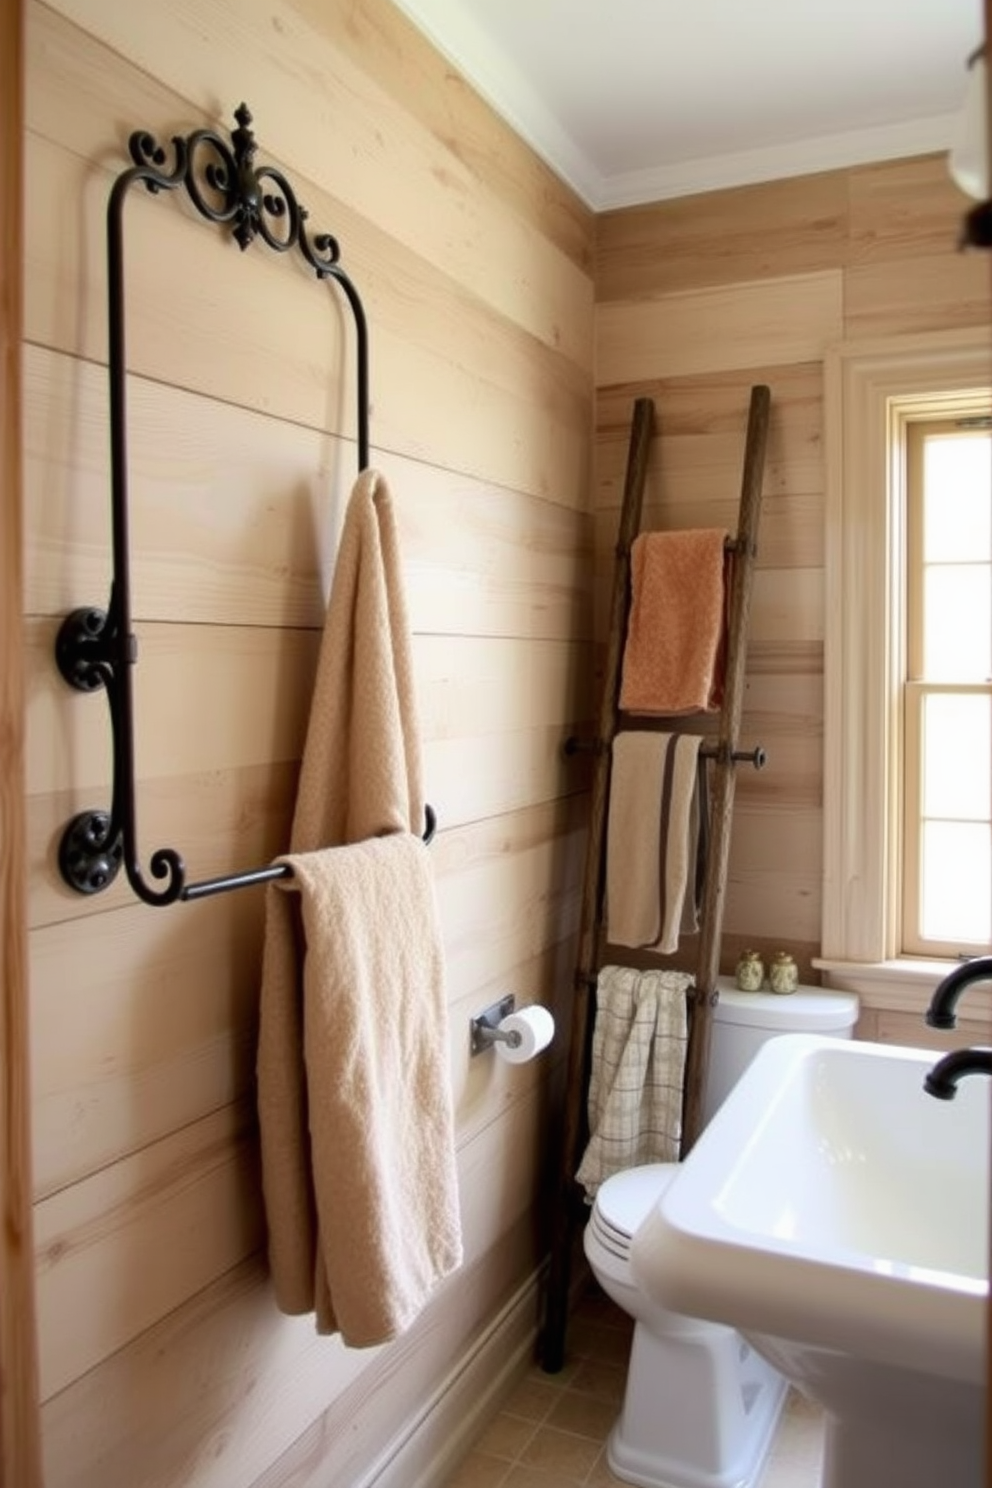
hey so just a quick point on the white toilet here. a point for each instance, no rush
(701, 1406)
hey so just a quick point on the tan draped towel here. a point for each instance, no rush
(675, 651)
(638, 1071)
(360, 1194)
(653, 877)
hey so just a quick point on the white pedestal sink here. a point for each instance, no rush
(838, 1217)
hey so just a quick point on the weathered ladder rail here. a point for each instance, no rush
(564, 1214)
(568, 1201)
(725, 769)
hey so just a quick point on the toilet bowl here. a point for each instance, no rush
(700, 1406)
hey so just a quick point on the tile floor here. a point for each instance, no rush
(552, 1430)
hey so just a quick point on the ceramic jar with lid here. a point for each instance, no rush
(750, 972)
(783, 974)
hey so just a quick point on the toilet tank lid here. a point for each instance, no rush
(807, 1010)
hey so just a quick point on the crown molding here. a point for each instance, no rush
(454, 32)
(777, 162)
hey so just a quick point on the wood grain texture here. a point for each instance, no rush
(859, 254)
(20, 1463)
(474, 266)
(224, 1385)
(376, 154)
(235, 518)
(789, 319)
(443, 363)
(797, 226)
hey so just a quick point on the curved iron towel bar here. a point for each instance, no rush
(96, 648)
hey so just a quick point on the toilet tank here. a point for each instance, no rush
(743, 1021)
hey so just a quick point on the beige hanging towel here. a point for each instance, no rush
(638, 1070)
(352, 981)
(654, 831)
(675, 653)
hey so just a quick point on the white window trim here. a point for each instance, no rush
(864, 386)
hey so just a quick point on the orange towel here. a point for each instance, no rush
(675, 651)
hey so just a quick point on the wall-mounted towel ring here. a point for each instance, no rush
(96, 648)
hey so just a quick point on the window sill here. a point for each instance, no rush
(902, 986)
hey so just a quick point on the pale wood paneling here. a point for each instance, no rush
(904, 209)
(725, 237)
(473, 265)
(218, 1388)
(328, 112)
(445, 370)
(235, 518)
(154, 1029)
(156, 1026)
(696, 299)
(124, 1248)
(383, 43)
(242, 695)
(791, 319)
(20, 1462)
(915, 294)
(221, 821)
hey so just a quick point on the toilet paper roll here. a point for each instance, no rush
(536, 1028)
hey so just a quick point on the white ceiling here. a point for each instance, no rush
(638, 100)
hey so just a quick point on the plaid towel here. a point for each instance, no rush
(638, 1065)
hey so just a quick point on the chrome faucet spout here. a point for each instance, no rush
(941, 1012)
(942, 1081)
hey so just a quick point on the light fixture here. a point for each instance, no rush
(968, 158)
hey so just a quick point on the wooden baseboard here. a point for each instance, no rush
(429, 1446)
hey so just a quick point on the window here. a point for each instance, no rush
(946, 734)
(873, 393)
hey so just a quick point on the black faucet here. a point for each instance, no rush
(940, 1013)
(942, 1081)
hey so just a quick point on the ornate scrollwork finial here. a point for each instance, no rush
(245, 186)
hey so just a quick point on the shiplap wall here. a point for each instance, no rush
(698, 299)
(163, 1358)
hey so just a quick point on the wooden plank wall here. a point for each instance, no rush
(163, 1358)
(697, 299)
(20, 1458)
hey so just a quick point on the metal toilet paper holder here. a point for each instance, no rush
(486, 1030)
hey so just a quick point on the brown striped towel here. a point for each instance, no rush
(654, 834)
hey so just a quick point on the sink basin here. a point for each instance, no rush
(838, 1217)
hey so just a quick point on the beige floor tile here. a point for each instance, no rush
(585, 1415)
(561, 1452)
(599, 1341)
(605, 1381)
(551, 1430)
(527, 1477)
(534, 1397)
(479, 1471)
(506, 1436)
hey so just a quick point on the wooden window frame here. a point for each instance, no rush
(916, 690)
(869, 387)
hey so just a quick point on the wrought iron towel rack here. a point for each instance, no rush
(96, 648)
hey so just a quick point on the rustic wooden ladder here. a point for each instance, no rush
(569, 1205)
